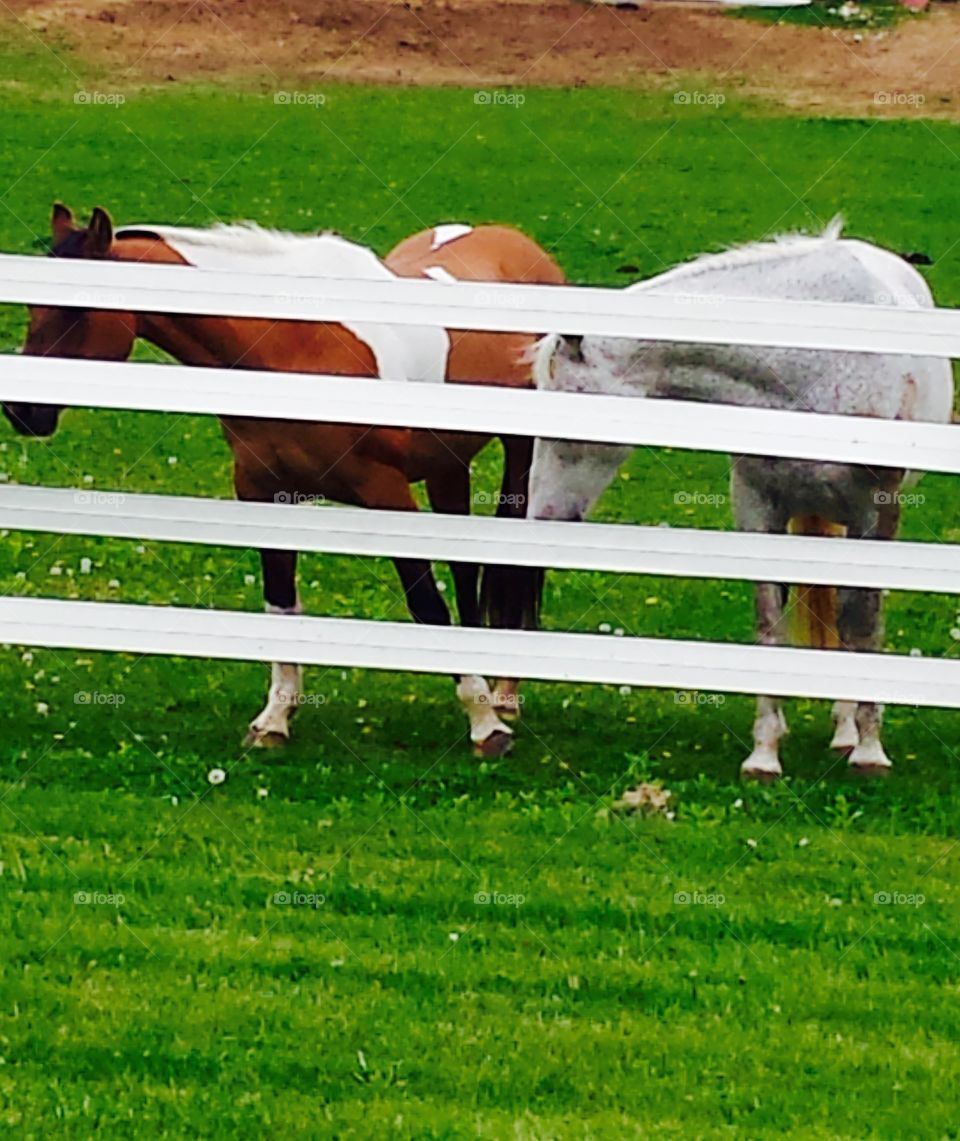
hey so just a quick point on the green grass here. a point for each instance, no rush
(598, 1007)
(833, 14)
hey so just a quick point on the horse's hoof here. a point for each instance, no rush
(760, 776)
(264, 739)
(762, 766)
(843, 750)
(870, 770)
(498, 744)
(507, 712)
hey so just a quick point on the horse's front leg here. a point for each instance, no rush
(272, 725)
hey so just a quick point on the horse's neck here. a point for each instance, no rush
(736, 374)
(207, 342)
(203, 341)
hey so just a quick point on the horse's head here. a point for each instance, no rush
(77, 331)
(567, 476)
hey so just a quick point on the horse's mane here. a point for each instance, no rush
(541, 353)
(749, 253)
(244, 238)
(243, 241)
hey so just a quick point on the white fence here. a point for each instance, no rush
(569, 657)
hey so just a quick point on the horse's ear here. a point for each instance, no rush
(99, 233)
(61, 221)
(574, 343)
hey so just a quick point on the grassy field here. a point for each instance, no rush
(468, 949)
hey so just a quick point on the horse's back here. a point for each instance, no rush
(483, 253)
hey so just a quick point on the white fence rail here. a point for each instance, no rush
(572, 657)
(481, 408)
(684, 552)
(478, 305)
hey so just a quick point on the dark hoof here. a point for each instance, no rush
(496, 745)
(759, 776)
(869, 771)
(258, 739)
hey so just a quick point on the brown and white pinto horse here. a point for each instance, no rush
(283, 460)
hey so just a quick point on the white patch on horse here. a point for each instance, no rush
(407, 352)
(449, 232)
(477, 700)
(438, 273)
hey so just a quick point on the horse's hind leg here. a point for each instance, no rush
(861, 628)
(490, 736)
(514, 495)
(388, 488)
(449, 494)
(272, 725)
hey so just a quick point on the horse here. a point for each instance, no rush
(771, 495)
(287, 461)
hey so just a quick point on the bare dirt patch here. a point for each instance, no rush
(483, 43)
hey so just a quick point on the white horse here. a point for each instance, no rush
(769, 494)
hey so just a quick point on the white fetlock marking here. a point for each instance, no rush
(846, 735)
(768, 728)
(286, 685)
(763, 760)
(477, 700)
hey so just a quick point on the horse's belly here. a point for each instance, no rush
(838, 492)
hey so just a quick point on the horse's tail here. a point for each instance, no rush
(815, 609)
(510, 596)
